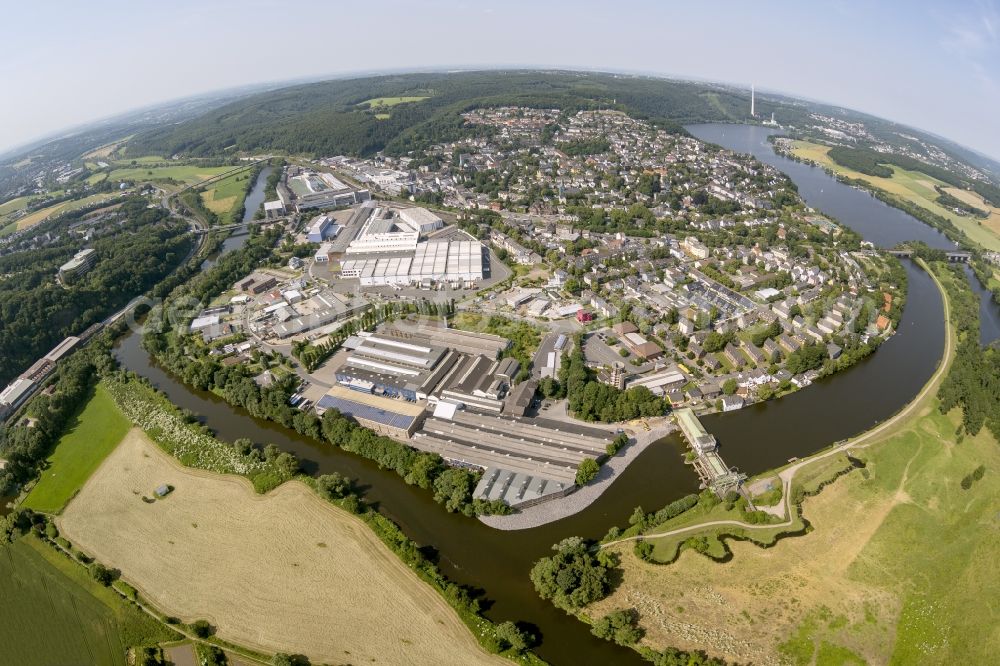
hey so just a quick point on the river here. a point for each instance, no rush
(755, 439)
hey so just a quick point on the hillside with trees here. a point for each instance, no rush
(136, 247)
(333, 117)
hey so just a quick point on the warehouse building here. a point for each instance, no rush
(12, 397)
(383, 233)
(421, 219)
(322, 228)
(393, 418)
(309, 190)
(457, 261)
(466, 342)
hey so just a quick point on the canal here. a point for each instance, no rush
(756, 438)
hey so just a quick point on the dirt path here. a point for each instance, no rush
(862, 441)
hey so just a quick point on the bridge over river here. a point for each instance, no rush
(956, 257)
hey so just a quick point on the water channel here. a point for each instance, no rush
(756, 438)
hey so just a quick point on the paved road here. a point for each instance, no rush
(866, 439)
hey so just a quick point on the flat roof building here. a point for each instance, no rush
(421, 219)
(393, 418)
(81, 262)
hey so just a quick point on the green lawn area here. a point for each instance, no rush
(392, 101)
(8, 229)
(189, 174)
(91, 436)
(225, 196)
(145, 159)
(53, 613)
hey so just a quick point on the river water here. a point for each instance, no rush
(755, 439)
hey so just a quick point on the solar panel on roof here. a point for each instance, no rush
(358, 410)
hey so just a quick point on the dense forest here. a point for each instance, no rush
(333, 117)
(135, 249)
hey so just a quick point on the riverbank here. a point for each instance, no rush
(568, 505)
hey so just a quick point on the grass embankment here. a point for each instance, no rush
(54, 613)
(918, 189)
(92, 435)
(896, 566)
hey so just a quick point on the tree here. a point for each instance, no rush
(729, 386)
(571, 578)
(102, 574)
(202, 629)
(587, 471)
(282, 659)
(620, 626)
(512, 637)
(333, 485)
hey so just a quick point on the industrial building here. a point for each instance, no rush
(81, 262)
(384, 233)
(393, 418)
(466, 342)
(22, 388)
(308, 190)
(421, 219)
(322, 228)
(457, 261)
(389, 366)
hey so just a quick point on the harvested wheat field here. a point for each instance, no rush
(285, 572)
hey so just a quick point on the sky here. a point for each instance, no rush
(932, 65)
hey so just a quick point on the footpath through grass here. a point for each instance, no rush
(51, 612)
(91, 436)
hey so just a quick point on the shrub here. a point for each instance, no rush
(587, 471)
(202, 629)
(644, 550)
(620, 626)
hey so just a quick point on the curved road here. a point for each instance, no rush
(863, 440)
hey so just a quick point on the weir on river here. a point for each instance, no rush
(705, 458)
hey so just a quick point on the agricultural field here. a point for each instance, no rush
(917, 188)
(278, 572)
(90, 437)
(53, 613)
(187, 174)
(225, 197)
